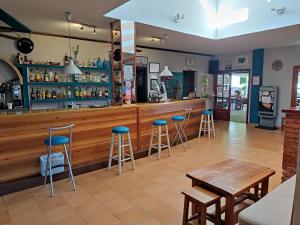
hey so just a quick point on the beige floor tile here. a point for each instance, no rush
(4, 218)
(59, 214)
(134, 216)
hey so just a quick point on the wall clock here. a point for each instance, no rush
(277, 65)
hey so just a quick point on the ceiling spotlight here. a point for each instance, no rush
(94, 30)
(82, 27)
(178, 17)
(279, 10)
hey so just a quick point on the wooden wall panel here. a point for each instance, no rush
(22, 136)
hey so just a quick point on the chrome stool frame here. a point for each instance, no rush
(180, 129)
(67, 155)
(121, 157)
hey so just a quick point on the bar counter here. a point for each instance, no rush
(22, 136)
(291, 142)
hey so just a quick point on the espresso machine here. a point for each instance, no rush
(11, 92)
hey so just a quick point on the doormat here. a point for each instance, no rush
(266, 128)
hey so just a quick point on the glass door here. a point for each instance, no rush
(222, 88)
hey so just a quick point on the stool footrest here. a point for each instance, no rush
(162, 146)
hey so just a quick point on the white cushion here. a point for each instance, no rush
(273, 209)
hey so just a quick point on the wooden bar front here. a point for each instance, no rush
(22, 135)
(291, 142)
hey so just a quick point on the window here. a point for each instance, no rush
(295, 96)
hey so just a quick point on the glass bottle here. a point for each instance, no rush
(37, 94)
(31, 76)
(32, 95)
(106, 92)
(70, 92)
(53, 94)
(43, 95)
(46, 76)
(37, 76)
(80, 93)
(47, 94)
(77, 93)
(55, 77)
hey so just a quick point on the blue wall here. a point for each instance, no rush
(257, 70)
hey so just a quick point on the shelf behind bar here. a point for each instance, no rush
(68, 83)
(59, 67)
(68, 99)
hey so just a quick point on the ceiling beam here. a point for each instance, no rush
(12, 22)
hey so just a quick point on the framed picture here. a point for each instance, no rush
(153, 83)
(154, 67)
(190, 61)
(242, 60)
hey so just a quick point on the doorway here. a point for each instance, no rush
(239, 97)
(188, 82)
(231, 90)
(141, 84)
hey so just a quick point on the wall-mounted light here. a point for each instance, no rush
(178, 17)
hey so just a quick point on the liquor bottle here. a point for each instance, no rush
(47, 94)
(84, 93)
(80, 93)
(77, 92)
(100, 92)
(31, 76)
(32, 95)
(96, 92)
(37, 76)
(46, 76)
(55, 77)
(53, 94)
(51, 77)
(106, 93)
(37, 94)
(43, 95)
(93, 93)
(70, 92)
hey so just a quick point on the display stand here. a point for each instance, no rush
(267, 107)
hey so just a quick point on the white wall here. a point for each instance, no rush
(177, 63)
(54, 49)
(290, 56)
(230, 59)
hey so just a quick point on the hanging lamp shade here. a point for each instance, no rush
(71, 69)
(166, 72)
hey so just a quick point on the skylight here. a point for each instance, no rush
(223, 15)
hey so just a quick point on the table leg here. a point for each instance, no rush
(194, 209)
(264, 187)
(229, 211)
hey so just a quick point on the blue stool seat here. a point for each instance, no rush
(207, 112)
(120, 130)
(159, 122)
(178, 118)
(57, 140)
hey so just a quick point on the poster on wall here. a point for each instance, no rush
(255, 80)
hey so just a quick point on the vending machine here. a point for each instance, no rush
(267, 109)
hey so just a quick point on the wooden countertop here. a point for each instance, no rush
(140, 105)
(293, 110)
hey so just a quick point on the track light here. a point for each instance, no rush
(94, 30)
(82, 27)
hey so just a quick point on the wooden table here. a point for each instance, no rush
(231, 178)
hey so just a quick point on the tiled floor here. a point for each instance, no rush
(151, 195)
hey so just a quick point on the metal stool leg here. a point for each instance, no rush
(111, 150)
(183, 134)
(159, 141)
(178, 132)
(47, 168)
(70, 167)
(130, 151)
(200, 129)
(168, 141)
(151, 141)
(50, 175)
(120, 153)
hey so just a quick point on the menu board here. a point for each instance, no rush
(170, 86)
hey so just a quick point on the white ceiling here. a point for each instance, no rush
(48, 16)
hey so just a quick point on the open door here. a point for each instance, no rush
(222, 90)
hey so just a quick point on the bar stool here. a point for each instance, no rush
(180, 123)
(207, 123)
(121, 157)
(55, 141)
(159, 146)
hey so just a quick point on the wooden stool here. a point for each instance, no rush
(202, 199)
(207, 123)
(159, 146)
